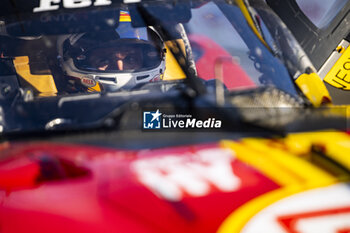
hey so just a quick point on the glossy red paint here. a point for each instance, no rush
(98, 189)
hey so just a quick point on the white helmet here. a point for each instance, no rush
(116, 59)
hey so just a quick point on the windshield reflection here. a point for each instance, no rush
(127, 49)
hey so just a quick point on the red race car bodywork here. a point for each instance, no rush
(91, 189)
(216, 187)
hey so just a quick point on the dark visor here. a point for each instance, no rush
(118, 57)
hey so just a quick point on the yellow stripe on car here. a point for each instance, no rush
(242, 6)
(261, 154)
(287, 162)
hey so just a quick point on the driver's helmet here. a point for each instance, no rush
(114, 59)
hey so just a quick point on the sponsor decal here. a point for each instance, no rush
(319, 210)
(328, 220)
(47, 18)
(124, 16)
(88, 82)
(158, 120)
(156, 78)
(193, 174)
(339, 75)
(52, 5)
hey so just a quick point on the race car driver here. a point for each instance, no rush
(112, 60)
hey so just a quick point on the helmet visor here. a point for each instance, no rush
(124, 55)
